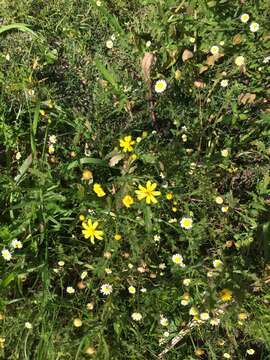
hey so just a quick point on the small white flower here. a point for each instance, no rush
(108, 271)
(160, 86)
(109, 44)
(184, 302)
(178, 260)
(225, 209)
(18, 155)
(166, 334)
(157, 238)
(7, 255)
(222, 43)
(254, 27)
(186, 282)
(143, 290)
(132, 290)
(239, 60)
(106, 289)
(250, 351)
(244, 18)
(225, 152)
(204, 316)
(113, 37)
(192, 40)
(266, 60)
(218, 264)
(70, 290)
(214, 50)
(164, 321)
(215, 322)
(148, 43)
(226, 356)
(186, 223)
(136, 316)
(130, 266)
(184, 138)
(61, 263)
(162, 266)
(51, 149)
(28, 325)
(224, 83)
(16, 244)
(53, 139)
(98, 3)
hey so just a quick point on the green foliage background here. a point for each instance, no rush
(58, 78)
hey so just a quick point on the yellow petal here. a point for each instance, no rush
(95, 225)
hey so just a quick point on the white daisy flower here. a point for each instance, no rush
(186, 223)
(106, 289)
(132, 290)
(178, 260)
(254, 27)
(244, 18)
(16, 244)
(7, 255)
(136, 316)
(214, 50)
(160, 86)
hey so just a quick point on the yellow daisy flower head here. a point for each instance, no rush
(254, 27)
(90, 231)
(169, 196)
(148, 193)
(199, 352)
(160, 86)
(242, 316)
(214, 50)
(117, 237)
(186, 223)
(98, 190)
(82, 217)
(226, 295)
(128, 201)
(126, 143)
(244, 18)
(87, 174)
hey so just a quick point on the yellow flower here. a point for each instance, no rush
(127, 201)
(225, 209)
(117, 237)
(225, 152)
(82, 217)
(87, 174)
(169, 196)
(242, 316)
(199, 352)
(77, 322)
(250, 351)
(226, 295)
(127, 143)
(177, 74)
(90, 350)
(148, 193)
(144, 134)
(174, 209)
(90, 231)
(134, 156)
(98, 190)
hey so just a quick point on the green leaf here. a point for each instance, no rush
(147, 212)
(23, 169)
(17, 26)
(108, 74)
(4, 283)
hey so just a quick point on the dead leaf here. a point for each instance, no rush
(237, 39)
(115, 159)
(147, 63)
(187, 54)
(203, 69)
(210, 60)
(247, 98)
(199, 84)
